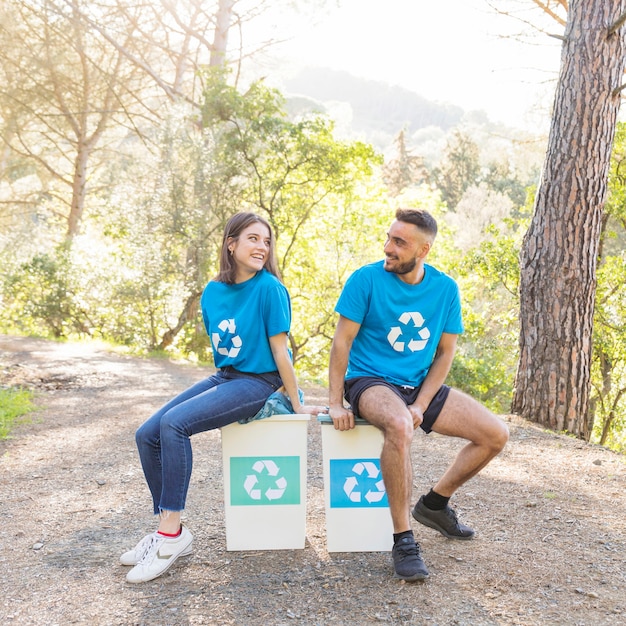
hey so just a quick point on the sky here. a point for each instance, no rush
(455, 51)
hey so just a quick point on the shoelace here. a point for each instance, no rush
(142, 546)
(153, 543)
(408, 549)
(451, 515)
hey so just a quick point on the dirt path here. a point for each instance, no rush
(550, 513)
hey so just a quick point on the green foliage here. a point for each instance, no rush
(477, 159)
(616, 201)
(44, 298)
(14, 404)
(487, 351)
(405, 170)
(500, 178)
(460, 168)
(609, 356)
(607, 413)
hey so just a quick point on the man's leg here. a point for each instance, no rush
(464, 417)
(383, 408)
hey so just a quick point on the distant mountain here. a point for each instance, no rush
(376, 106)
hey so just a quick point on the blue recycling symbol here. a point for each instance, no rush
(357, 483)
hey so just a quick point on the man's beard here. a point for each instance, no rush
(403, 268)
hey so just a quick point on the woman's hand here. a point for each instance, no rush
(311, 410)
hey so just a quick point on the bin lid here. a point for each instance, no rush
(289, 417)
(324, 418)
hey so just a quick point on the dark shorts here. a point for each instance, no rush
(354, 387)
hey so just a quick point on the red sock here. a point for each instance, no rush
(170, 536)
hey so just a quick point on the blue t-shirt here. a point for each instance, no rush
(240, 319)
(401, 324)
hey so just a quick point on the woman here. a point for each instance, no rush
(247, 314)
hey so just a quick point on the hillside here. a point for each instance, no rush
(377, 108)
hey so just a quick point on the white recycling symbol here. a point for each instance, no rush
(352, 482)
(272, 493)
(230, 327)
(414, 344)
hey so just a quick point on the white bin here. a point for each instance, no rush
(357, 510)
(265, 471)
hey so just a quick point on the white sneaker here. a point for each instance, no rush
(132, 557)
(159, 554)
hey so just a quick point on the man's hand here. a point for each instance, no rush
(343, 419)
(417, 414)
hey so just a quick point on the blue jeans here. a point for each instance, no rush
(163, 440)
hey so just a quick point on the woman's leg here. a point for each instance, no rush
(148, 437)
(232, 399)
(163, 442)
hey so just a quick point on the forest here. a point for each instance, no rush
(130, 133)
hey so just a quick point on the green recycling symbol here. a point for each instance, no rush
(228, 327)
(252, 481)
(418, 339)
(265, 481)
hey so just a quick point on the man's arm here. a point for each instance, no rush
(436, 376)
(345, 332)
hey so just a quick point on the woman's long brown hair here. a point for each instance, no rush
(234, 227)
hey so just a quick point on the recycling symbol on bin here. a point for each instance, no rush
(265, 468)
(417, 341)
(351, 484)
(227, 327)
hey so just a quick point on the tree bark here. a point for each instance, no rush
(559, 253)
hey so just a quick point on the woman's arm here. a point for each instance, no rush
(278, 344)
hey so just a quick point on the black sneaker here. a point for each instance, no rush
(445, 521)
(407, 560)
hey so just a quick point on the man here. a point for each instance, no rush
(393, 347)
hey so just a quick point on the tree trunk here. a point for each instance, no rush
(79, 184)
(559, 254)
(190, 310)
(223, 18)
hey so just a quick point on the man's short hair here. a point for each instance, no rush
(420, 218)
